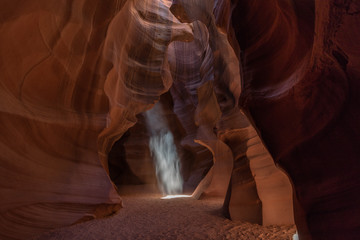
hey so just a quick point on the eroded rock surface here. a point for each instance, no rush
(301, 78)
(70, 78)
(244, 84)
(52, 110)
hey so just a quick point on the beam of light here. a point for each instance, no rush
(167, 162)
(176, 196)
(163, 150)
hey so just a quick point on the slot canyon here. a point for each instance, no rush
(249, 110)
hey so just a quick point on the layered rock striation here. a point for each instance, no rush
(256, 93)
(71, 74)
(301, 77)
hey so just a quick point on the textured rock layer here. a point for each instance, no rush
(52, 110)
(62, 102)
(243, 84)
(301, 78)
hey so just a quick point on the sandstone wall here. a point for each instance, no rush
(301, 78)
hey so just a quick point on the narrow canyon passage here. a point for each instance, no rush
(147, 216)
(254, 105)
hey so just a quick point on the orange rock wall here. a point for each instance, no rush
(65, 69)
(52, 109)
(253, 86)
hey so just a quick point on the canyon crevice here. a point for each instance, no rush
(261, 98)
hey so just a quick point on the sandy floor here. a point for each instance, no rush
(146, 216)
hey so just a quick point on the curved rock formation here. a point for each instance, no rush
(247, 83)
(210, 59)
(54, 109)
(139, 73)
(301, 78)
(55, 105)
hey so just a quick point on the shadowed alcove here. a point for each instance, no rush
(131, 161)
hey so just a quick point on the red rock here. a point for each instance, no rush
(260, 96)
(300, 83)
